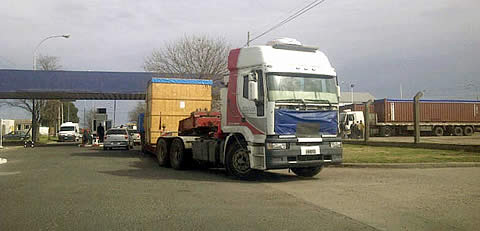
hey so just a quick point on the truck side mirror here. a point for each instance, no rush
(252, 91)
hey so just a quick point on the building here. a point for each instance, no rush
(358, 98)
(23, 125)
(7, 126)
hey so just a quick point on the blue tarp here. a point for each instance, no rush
(183, 81)
(286, 121)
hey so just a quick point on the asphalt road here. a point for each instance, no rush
(73, 188)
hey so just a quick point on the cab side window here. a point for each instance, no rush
(245, 86)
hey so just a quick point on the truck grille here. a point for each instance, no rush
(309, 157)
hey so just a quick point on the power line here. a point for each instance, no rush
(290, 18)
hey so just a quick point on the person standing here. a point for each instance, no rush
(100, 133)
(361, 129)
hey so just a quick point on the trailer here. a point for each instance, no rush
(391, 117)
(279, 110)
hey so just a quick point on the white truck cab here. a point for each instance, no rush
(348, 118)
(69, 132)
(282, 100)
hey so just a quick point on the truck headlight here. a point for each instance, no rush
(335, 144)
(272, 146)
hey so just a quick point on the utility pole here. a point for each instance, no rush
(416, 116)
(366, 112)
(401, 92)
(1, 133)
(84, 104)
(114, 110)
(248, 38)
(68, 112)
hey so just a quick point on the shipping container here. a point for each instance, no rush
(170, 100)
(442, 111)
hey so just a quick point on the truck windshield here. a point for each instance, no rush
(67, 128)
(296, 86)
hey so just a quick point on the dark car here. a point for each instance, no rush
(16, 135)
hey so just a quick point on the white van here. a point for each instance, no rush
(69, 132)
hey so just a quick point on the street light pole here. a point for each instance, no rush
(40, 43)
(34, 117)
(351, 87)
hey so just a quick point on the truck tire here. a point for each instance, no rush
(458, 131)
(307, 172)
(468, 131)
(438, 131)
(162, 154)
(178, 159)
(238, 162)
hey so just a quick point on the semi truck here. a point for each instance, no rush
(279, 110)
(390, 117)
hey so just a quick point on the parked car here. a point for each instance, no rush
(135, 136)
(117, 138)
(16, 135)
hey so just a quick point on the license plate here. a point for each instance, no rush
(310, 150)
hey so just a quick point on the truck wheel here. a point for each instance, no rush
(458, 131)
(307, 172)
(389, 131)
(177, 154)
(468, 131)
(162, 153)
(238, 162)
(438, 131)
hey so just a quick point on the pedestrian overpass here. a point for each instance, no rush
(77, 85)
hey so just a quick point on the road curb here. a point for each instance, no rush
(409, 165)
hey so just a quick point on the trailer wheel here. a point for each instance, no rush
(438, 131)
(177, 154)
(238, 162)
(458, 131)
(386, 131)
(307, 172)
(161, 152)
(468, 131)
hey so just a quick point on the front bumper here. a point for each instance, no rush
(66, 138)
(114, 144)
(292, 156)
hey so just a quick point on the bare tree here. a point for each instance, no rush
(202, 56)
(133, 114)
(46, 63)
(89, 117)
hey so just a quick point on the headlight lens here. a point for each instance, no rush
(276, 145)
(335, 144)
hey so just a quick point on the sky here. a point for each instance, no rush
(424, 45)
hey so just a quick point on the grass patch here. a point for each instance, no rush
(375, 154)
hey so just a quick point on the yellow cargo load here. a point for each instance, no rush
(170, 100)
